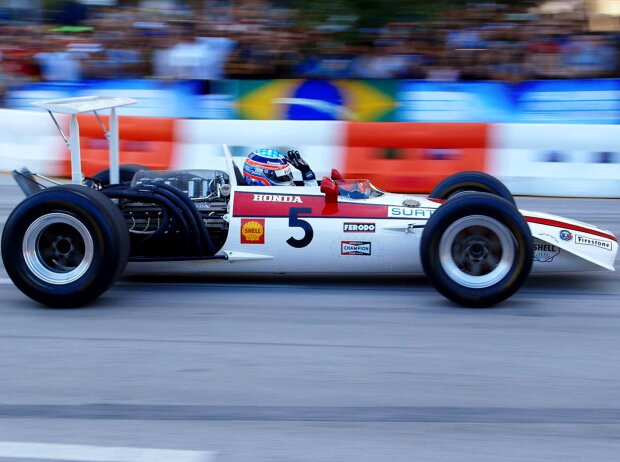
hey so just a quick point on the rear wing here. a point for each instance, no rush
(75, 106)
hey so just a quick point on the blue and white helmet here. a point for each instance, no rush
(267, 167)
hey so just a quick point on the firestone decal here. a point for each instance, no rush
(545, 253)
(566, 235)
(584, 240)
(277, 198)
(354, 248)
(406, 212)
(359, 227)
(252, 231)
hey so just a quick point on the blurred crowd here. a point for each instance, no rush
(483, 42)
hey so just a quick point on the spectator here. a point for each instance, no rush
(59, 65)
(247, 40)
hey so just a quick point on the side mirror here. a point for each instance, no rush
(329, 188)
(336, 175)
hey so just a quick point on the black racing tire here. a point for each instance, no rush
(470, 181)
(65, 246)
(126, 173)
(476, 249)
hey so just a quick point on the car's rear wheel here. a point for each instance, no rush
(477, 249)
(65, 245)
(470, 181)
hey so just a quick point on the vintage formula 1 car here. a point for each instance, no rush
(65, 245)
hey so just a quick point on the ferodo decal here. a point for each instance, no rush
(545, 253)
(584, 240)
(407, 212)
(277, 198)
(359, 227)
(566, 235)
(354, 248)
(252, 231)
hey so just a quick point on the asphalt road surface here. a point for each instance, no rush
(294, 370)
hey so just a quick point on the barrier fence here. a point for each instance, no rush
(532, 159)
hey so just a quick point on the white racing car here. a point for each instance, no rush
(65, 245)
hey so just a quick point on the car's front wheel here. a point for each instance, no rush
(65, 245)
(477, 249)
(470, 181)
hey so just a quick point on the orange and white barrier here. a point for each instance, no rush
(557, 160)
(408, 157)
(144, 141)
(30, 138)
(532, 159)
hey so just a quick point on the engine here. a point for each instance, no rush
(209, 190)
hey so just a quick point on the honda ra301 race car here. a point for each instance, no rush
(65, 245)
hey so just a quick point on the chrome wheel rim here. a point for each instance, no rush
(477, 251)
(58, 248)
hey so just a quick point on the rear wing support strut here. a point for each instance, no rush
(75, 106)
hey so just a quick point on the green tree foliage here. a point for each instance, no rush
(373, 13)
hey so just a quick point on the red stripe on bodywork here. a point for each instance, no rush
(561, 224)
(246, 206)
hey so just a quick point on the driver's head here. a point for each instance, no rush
(267, 167)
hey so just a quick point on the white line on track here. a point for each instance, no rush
(78, 453)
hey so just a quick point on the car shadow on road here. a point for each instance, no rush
(366, 280)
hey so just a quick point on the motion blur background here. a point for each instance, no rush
(223, 52)
(514, 72)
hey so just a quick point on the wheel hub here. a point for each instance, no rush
(477, 251)
(62, 246)
(58, 248)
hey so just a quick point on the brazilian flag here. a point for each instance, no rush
(350, 100)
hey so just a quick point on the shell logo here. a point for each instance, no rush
(253, 231)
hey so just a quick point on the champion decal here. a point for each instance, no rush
(355, 248)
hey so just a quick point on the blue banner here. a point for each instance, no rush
(154, 98)
(568, 101)
(454, 102)
(547, 101)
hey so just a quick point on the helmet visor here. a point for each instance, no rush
(282, 176)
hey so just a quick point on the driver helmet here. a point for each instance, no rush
(267, 167)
